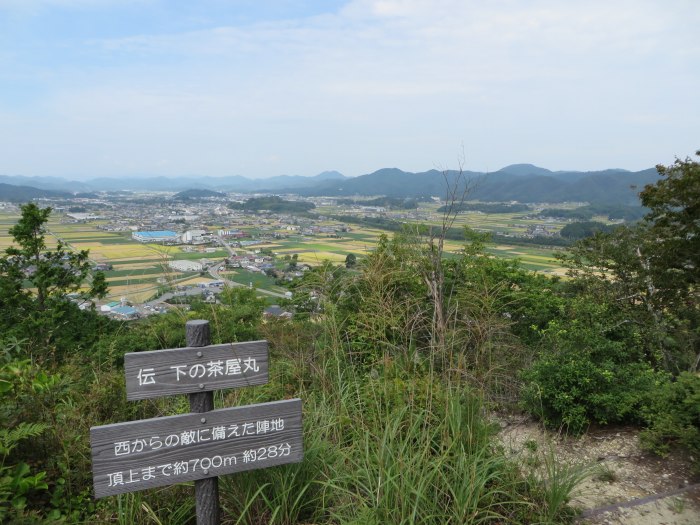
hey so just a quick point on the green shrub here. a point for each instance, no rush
(20, 381)
(590, 371)
(17, 481)
(674, 418)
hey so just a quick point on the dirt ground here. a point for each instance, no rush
(625, 485)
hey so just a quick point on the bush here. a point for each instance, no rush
(674, 418)
(20, 383)
(591, 370)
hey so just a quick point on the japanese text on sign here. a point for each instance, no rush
(195, 369)
(229, 367)
(200, 435)
(137, 455)
(205, 464)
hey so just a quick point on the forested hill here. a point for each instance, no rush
(523, 183)
(10, 193)
(194, 194)
(273, 204)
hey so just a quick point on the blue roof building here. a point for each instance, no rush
(156, 236)
(125, 312)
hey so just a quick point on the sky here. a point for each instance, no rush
(113, 88)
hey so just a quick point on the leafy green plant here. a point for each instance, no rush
(531, 445)
(674, 418)
(17, 481)
(590, 370)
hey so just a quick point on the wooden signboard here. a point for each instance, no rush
(195, 369)
(138, 455)
(206, 443)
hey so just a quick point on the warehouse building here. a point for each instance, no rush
(186, 266)
(156, 236)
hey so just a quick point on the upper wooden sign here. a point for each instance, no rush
(195, 369)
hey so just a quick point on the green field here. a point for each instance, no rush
(138, 267)
(259, 280)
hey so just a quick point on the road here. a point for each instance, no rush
(224, 244)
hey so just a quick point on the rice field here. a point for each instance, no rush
(139, 269)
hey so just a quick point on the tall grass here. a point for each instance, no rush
(392, 447)
(556, 484)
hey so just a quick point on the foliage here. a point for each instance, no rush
(674, 418)
(487, 207)
(591, 369)
(197, 194)
(52, 273)
(34, 287)
(16, 481)
(580, 230)
(675, 221)
(582, 213)
(18, 380)
(558, 482)
(651, 269)
(424, 464)
(586, 213)
(382, 308)
(238, 318)
(320, 286)
(273, 204)
(387, 202)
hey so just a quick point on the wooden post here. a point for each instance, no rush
(206, 491)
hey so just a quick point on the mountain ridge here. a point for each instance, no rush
(605, 186)
(516, 182)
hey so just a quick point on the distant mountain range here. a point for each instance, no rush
(235, 183)
(518, 182)
(12, 193)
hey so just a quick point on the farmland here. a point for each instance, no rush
(139, 270)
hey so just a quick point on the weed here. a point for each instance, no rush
(531, 445)
(558, 483)
(606, 474)
(677, 505)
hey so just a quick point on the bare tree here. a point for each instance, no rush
(458, 187)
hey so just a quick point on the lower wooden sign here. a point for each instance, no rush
(138, 455)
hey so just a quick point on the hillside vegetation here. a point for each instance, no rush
(273, 204)
(399, 360)
(12, 193)
(195, 194)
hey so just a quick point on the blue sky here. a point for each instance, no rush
(92, 88)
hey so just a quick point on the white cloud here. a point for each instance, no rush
(388, 83)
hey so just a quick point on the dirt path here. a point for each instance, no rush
(625, 486)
